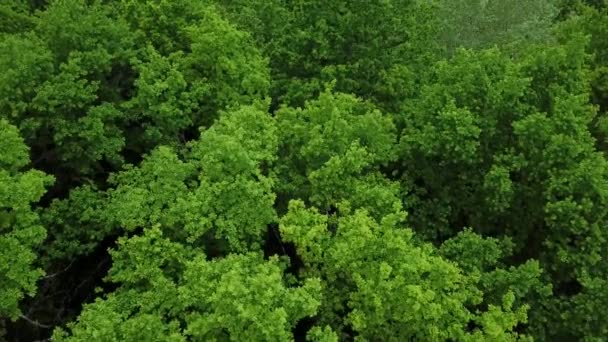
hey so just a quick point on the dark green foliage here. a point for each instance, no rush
(331, 150)
(85, 89)
(14, 17)
(381, 285)
(220, 189)
(237, 297)
(357, 44)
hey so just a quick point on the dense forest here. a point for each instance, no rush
(304, 170)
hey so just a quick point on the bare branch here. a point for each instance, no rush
(59, 272)
(36, 323)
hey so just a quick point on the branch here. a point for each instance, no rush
(36, 323)
(59, 272)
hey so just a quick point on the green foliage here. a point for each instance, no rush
(332, 149)
(358, 44)
(164, 24)
(20, 229)
(592, 22)
(382, 285)
(14, 17)
(170, 292)
(461, 122)
(57, 90)
(246, 170)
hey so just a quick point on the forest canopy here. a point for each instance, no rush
(304, 170)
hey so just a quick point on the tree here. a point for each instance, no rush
(592, 22)
(379, 283)
(486, 23)
(514, 135)
(56, 90)
(214, 67)
(20, 229)
(303, 170)
(332, 150)
(177, 295)
(15, 17)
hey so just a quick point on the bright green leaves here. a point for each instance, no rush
(318, 334)
(163, 102)
(348, 177)
(20, 230)
(246, 299)
(14, 154)
(86, 90)
(498, 323)
(106, 321)
(381, 284)
(331, 151)
(58, 95)
(236, 70)
(235, 188)
(27, 63)
(142, 194)
(410, 295)
(328, 126)
(155, 118)
(168, 285)
(146, 265)
(163, 23)
(243, 141)
(220, 192)
(356, 44)
(307, 230)
(148, 261)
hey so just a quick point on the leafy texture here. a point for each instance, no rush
(262, 170)
(20, 229)
(381, 284)
(235, 298)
